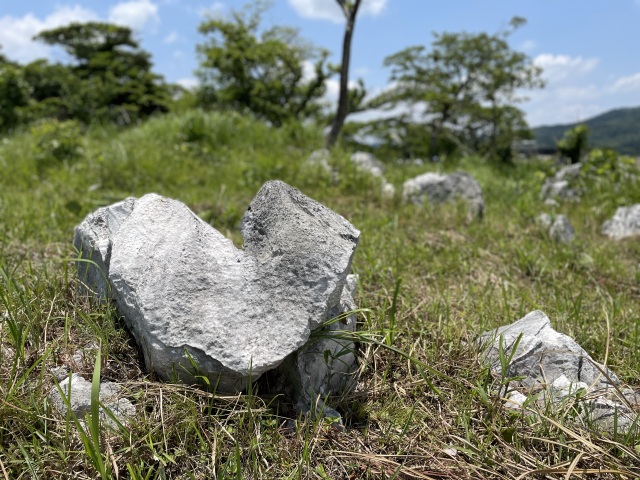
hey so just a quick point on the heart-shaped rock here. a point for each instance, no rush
(196, 304)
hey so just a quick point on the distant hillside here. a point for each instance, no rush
(618, 129)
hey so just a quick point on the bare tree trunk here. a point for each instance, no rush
(350, 12)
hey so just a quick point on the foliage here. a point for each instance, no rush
(573, 144)
(56, 143)
(464, 88)
(14, 94)
(111, 77)
(247, 68)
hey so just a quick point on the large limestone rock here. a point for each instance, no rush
(625, 223)
(553, 363)
(199, 306)
(437, 188)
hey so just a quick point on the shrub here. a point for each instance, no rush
(56, 143)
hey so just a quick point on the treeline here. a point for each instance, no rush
(458, 96)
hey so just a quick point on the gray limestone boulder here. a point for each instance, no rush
(625, 223)
(198, 306)
(561, 185)
(558, 227)
(438, 188)
(553, 363)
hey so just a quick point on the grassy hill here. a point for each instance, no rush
(618, 129)
(430, 279)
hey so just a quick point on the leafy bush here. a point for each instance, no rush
(573, 144)
(56, 143)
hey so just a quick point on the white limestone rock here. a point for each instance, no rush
(80, 399)
(368, 162)
(199, 306)
(548, 361)
(625, 223)
(560, 186)
(438, 188)
(93, 239)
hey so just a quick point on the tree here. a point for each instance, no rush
(115, 72)
(465, 86)
(573, 144)
(261, 71)
(14, 94)
(350, 10)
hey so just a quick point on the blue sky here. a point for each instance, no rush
(589, 49)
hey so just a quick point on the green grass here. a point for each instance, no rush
(431, 281)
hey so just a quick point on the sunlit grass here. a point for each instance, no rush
(430, 280)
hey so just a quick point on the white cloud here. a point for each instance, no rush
(627, 84)
(188, 83)
(215, 10)
(173, 37)
(559, 67)
(16, 33)
(528, 45)
(329, 9)
(135, 14)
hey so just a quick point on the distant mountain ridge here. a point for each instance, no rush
(618, 129)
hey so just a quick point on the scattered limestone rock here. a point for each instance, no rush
(80, 399)
(198, 306)
(320, 159)
(548, 361)
(368, 163)
(438, 188)
(560, 185)
(558, 227)
(625, 223)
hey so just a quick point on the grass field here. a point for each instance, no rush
(430, 279)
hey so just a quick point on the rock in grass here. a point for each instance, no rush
(438, 188)
(625, 223)
(558, 227)
(93, 239)
(560, 186)
(548, 361)
(201, 308)
(78, 399)
(367, 162)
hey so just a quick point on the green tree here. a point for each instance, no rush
(466, 86)
(116, 75)
(262, 71)
(14, 94)
(573, 144)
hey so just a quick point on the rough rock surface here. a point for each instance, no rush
(558, 227)
(80, 399)
(94, 241)
(554, 363)
(440, 188)
(560, 185)
(625, 223)
(199, 306)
